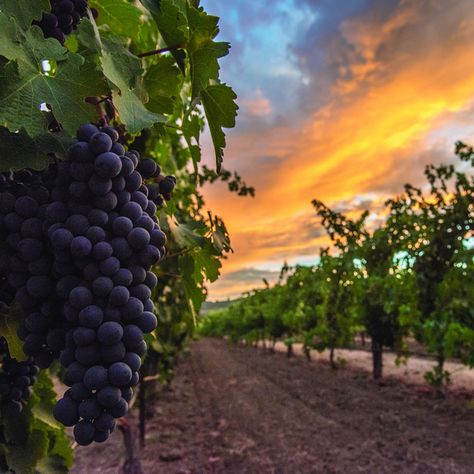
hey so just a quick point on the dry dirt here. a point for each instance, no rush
(237, 409)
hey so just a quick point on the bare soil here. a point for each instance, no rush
(236, 409)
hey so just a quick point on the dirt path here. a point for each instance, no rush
(236, 409)
(413, 371)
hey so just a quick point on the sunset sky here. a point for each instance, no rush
(340, 100)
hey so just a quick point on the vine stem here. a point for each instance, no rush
(159, 51)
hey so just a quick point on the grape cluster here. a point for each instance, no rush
(16, 379)
(81, 239)
(63, 18)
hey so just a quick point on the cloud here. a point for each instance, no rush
(259, 106)
(235, 283)
(389, 87)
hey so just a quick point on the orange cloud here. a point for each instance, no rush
(257, 107)
(370, 137)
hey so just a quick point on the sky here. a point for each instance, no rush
(339, 100)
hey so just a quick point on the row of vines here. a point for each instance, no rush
(102, 108)
(407, 278)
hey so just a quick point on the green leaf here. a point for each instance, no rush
(26, 85)
(191, 128)
(163, 82)
(221, 110)
(18, 150)
(25, 11)
(119, 65)
(10, 321)
(133, 113)
(121, 16)
(185, 234)
(45, 396)
(170, 17)
(24, 457)
(203, 51)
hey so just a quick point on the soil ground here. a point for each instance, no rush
(237, 409)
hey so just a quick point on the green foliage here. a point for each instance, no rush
(155, 63)
(411, 276)
(34, 442)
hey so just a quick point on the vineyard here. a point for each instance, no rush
(112, 124)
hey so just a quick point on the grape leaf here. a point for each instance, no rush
(203, 52)
(172, 23)
(191, 128)
(10, 320)
(170, 17)
(133, 113)
(26, 85)
(119, 65)
(25, 11)
(163, 82)
(221, 110)
(18, 150)
(121, 16)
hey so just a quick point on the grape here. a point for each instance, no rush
(102, 251)
(110, 333)
(127, 166)
(132, 336)
(151, 280)
(108, 165)
(145, 222)
(26, 206)
(95, 377)
(119, 296)
(158, 237)
(85, 132)
(120, 409)
(77, 224)
(147, 168)
(81, 246)
(88, 355)
(84, 336)
(142, 292)
(95, 234)
(147, 322)
(105, 422)
(138, 238)
(29, 249)
(118, 184)
(91, 316)
(132, 309)
(109, 396)
(99, 186)
(132, 210)
(133, 181)
(113, 353)
(119, 374)
(122, 226)
(79, 152)
(66, 411)
(139, 274)
(123, 277)
(100, 143)
(79, 392)
(102, 286)
(107, 202)
(74, 373)
(80, 297)
(98, 217)
(32, 227)
(84, 433)
(110, 266)
(39, 286)
(121, 248)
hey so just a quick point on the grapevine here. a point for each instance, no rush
(93, 105)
